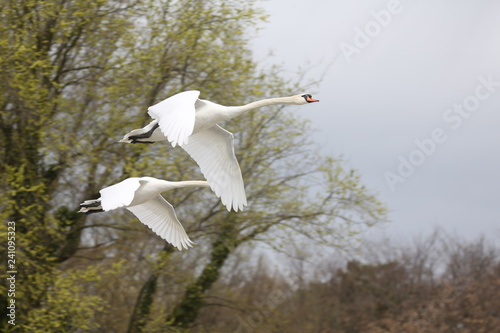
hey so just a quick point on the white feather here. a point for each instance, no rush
(159, 215)
(213, 150)
(176, 116)
(119, 195)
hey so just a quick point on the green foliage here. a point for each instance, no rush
(67, 305)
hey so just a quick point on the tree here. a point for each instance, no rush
(386, 293)
(78, 75)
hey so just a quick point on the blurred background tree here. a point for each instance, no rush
(79, 74)
(395, 288)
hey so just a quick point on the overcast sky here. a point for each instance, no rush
(412, 101)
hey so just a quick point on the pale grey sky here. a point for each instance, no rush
(412, 100)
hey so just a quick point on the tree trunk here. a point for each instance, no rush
(187, 310)
(145, 299)
(143, 305)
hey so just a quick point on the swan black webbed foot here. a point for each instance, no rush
(137, 138)
(91, 206)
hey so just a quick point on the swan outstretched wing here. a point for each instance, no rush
(159, 215)
(176, 116)
(119, 195)
(213, 150)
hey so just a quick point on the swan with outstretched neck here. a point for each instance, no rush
(141, 196)
(190, 122)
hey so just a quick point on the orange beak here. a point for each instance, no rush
(311, 100)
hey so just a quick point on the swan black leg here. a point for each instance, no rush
(91, 206)
(146, 135)
(92, 211)
(94, 203)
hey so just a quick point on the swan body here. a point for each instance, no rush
(186, 120)
(141, 196)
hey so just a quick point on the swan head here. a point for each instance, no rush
(307, 98)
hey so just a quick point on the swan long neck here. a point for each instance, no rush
(188, 183)
(236, 110)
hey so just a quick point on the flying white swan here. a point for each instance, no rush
(142, 197)
(185, 120)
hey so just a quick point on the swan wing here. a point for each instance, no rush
(159, 215)
(176, 116)
(213, 150)
(119, 195)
